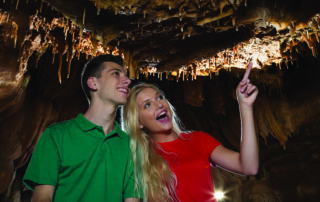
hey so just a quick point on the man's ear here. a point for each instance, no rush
(92, 83)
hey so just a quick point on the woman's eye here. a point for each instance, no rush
(146, 106)
(160, 97)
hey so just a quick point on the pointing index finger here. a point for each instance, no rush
(246, 75)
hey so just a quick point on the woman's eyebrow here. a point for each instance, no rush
(147, 100)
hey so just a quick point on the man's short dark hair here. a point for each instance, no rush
(93, 69)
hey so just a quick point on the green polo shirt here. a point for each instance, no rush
(82, 162)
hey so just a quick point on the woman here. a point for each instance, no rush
(167, 158)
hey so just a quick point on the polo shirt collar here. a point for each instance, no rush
(117, 130)
(86, 125)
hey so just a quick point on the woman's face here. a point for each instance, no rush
(155, 116)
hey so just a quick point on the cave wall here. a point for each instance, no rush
(286, 113)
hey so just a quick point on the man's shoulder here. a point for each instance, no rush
(62, 124)
(59, 127)
(124, 135)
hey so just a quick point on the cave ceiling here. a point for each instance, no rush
(181, 38)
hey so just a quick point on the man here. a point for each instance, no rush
(87, 158)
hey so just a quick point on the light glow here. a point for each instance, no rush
(219, 195)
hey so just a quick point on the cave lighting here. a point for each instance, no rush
(219, 195)
(260, 51)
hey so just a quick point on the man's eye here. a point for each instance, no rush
(116, 73)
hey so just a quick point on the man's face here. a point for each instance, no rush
(113, 85)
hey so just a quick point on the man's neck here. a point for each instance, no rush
(102, 116)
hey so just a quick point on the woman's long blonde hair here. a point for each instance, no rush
(152, 172)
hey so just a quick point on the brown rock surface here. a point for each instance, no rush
(44, 45)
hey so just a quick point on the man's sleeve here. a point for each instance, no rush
(132, 189)
(44, 164)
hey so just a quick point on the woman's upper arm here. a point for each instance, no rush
(226, 158)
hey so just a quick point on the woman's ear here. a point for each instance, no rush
(140, 126)
(92, 83)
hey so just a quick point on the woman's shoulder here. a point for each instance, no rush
(196, 135)
(190, 135)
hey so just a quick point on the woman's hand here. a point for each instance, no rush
(246, 91)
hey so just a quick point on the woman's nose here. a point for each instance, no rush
(159, 104)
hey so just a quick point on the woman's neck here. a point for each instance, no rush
(164, 137)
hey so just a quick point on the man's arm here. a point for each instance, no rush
(43, 193)
(131, 200)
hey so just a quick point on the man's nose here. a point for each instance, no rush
(126, 80)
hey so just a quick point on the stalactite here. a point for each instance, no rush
(41, 51)
(60, 65)
(178, 76)
(17, 4)
(233, 20)
(15, 41)
(317, 36)
(129, 57)
(94, 45)
(41, 6)
(222, 5)
(80, 34)
(70, 56)
(28, 47)
(84, 16)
